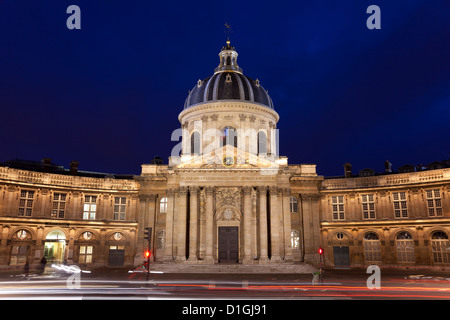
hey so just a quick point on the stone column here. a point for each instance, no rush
(274, 224)
(263, 224)
(247, 224)
(168, 249)
(71, 246)
(151, 223)
(209, 225)
(387, 249)
(181, 223)
(142, 223)
(101, 255)
(193, 223)
(3, 242)
(287, 225)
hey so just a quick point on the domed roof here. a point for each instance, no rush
(228, 83)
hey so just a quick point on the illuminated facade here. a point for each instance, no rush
(225, 197)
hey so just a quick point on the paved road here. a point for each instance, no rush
(120, 284)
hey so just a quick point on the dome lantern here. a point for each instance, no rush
(228, 83)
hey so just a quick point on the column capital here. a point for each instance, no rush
(193, 189)
(149, 197)
(262, 188)
(209, 191)
(170, 192)
(182, 191)
(247, 190)
(273, 190)
(310, 196)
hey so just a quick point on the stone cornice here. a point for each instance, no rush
(223, 106)
(52, 180)
(396, 180)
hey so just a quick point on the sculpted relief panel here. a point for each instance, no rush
(228, 204)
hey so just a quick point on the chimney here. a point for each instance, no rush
(74, 167)
(348, 170)
(46, 164)
(387, 166)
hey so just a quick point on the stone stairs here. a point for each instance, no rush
(299, 268)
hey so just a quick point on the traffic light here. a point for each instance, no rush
(147, 233)
(320, 251)
(147, 254)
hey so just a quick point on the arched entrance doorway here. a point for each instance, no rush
(55, 245)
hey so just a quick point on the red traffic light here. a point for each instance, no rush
(147, 253)
(320, 251)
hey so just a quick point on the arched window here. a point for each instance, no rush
(163, 205)
(195, 143)
(295, 239)
(440, 247)
(372, 248)
(293, 204)
(262, 142)
(229, 136)
(405, 248)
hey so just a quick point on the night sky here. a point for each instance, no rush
(109, 95)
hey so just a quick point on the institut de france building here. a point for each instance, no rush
(225, 196)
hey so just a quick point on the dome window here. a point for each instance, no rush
(229, 136)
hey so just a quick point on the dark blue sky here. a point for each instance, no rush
(109, 95)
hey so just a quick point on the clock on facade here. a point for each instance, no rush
(228, 161)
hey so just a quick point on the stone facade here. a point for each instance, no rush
(226, 196)
(392, 219)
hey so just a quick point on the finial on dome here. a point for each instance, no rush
(227, 30)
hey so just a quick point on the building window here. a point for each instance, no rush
(90, 207)
(293, 204)
(26, 203)
(229, 136)
(405, 248)
(59, 205)
(368, 206)
(440, 246)
(372, 247)
(85, 254)
(337, 203)
(120, 204)
(400, 207)
(434, 203)
(262, 143)
(195, 143)
(295, 239)
(163, 205)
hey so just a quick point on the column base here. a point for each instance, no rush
(168, 259)
(275, 258)
(208, 260)
(192, 260)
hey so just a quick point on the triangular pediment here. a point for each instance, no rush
(227, 157)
